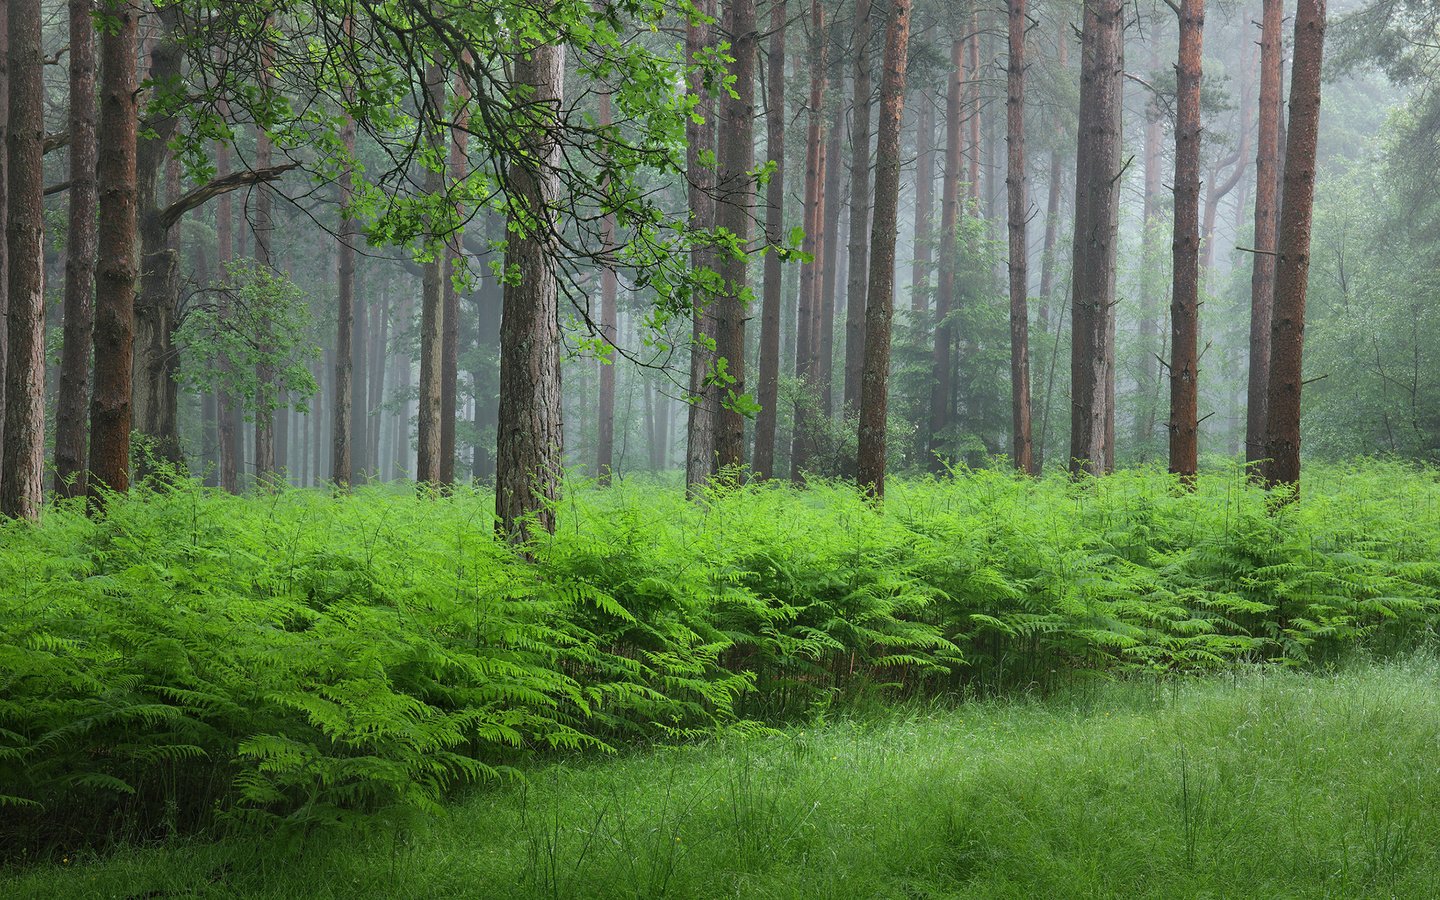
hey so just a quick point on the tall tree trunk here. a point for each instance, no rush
(370, 413)
(737, 188)
(1267, 181)
(609, 289)
(1020, 445)
(879, 301)
(4, 205)
(1097, 207)
(700, 141)
(1287, 330)
(343, 408)
(830, 265)
(450, 299)
(1147, 328)
(860, 204)
(1185, 295)
(432, 310)
(762, 464)
(924, 207)
(80, 251)
(973, 90)
(263, 229)
(487, 301)
(116, 263)
(949, 259)
(802, 443)
(528, 460)
(24, 436)
(230, 424)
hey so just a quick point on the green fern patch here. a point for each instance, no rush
(299, 660)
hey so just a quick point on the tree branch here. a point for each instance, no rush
(215, 187)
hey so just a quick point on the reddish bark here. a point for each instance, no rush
(116, 264)
(1267, 181)
(737, 188)
(880, 303)
(1292, 267)
(1185, 294)
(80, 252)
(1020, 443)
(24, 434)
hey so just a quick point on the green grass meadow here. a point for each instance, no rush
(1257, 783)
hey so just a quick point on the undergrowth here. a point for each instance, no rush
(298, 660)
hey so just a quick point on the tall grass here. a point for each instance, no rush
(1262, 783)
(299, 660)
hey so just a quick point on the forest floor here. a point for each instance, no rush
(1256, 783)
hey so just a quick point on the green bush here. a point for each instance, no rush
(301, 659)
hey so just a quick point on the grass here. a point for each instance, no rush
(1257, 783)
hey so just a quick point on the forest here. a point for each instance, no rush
(719, 448)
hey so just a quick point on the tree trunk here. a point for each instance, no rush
(1287, 330)
(762, 464)
(487, 301)
(343, 408)
(609, 289)
(949, 259)
(1267, 181)
(1020, 447)
(1185, 294)
(4, 205)
(880, 304)
(24, 435)
(737, 188)
(1097, 207)
(1147, 328)
(377, 341)
(263, 227)
(80, 252)
(700, 139)
(802, 443)
(528, 463)
(924, 207)
(450, 301)
(432, 310)
(860, 205)
(973, 89)
(116, 263)
(230, 424)
(829, 267)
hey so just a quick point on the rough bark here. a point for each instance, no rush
(609, 289)
(24, 435)
(1147, 327)
(860, 204)
(1097, 207)
(879, 306)
(973, 90)
(1185, 293)
(802, 443)
(528, 457)
(737, 193)
(1267, 181)
(1292, 267)
(1020, 444)
(80, 251)
(432, 310)
(945, 298)
(4, 205)
(704, 407)
(762, 463)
